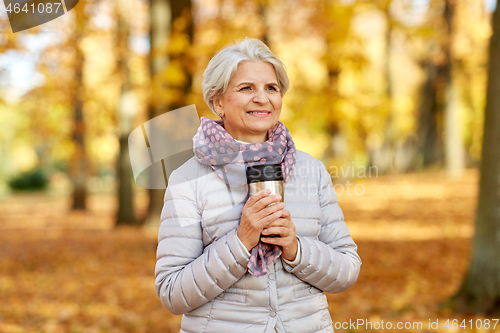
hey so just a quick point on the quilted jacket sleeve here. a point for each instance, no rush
(186, 275)
(330, 263)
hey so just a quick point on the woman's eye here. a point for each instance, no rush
(273, 88)
(244, 88)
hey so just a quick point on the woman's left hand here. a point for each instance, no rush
(288, 240)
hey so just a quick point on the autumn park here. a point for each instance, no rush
(400, 99)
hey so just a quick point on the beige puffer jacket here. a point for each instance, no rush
(201, 268)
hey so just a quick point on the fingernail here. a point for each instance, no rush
(278, 197)
(268, 191)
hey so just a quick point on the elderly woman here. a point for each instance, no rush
(215, 263)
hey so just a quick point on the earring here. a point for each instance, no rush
(220, 114)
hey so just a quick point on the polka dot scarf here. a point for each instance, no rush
(214, 146)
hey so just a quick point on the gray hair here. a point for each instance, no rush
(223, 65)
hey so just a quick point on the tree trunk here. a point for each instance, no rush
(164, 16)
(387, 148)
(430, 143)
(126, 111)
(125, 213)
(336, 143)
(454, 151)
(78, 168)
(480, 291)
(440, 141)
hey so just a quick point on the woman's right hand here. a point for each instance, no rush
(255, 216)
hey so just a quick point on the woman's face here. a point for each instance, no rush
(252, 102)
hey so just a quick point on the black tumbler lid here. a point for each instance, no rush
(264, 172)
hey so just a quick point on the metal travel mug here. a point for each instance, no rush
(266, 176)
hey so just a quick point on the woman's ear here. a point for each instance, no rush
(217, 102)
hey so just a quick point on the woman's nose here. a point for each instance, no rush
(260, 96)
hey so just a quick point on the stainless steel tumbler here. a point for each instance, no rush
(266, 176)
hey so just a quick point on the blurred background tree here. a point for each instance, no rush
(127, 109)
(480, 291)
(171, 70)
(78, 164)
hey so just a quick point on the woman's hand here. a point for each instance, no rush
(288, 240)
(255, 216)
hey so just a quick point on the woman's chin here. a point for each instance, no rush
(269, 120)
(262, 127)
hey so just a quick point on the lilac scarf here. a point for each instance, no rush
(214, 146)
